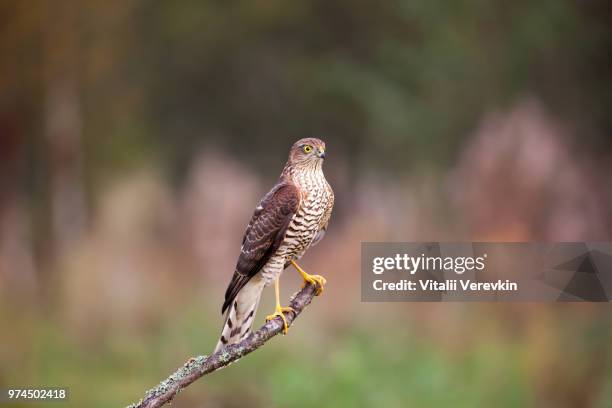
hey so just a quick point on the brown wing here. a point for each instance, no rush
(263, 236)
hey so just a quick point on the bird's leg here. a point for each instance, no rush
(317, 280)
(279, 310)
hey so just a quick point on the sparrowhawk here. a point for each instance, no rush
(292, 217)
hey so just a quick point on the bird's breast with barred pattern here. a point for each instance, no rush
(312, 216)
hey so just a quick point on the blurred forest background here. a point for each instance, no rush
(137, 136)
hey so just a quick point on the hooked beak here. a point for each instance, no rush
(321, 153)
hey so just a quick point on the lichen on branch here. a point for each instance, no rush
(200, 366)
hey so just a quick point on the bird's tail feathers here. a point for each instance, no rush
(240, 315)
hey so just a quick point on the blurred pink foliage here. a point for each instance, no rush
(520, 179)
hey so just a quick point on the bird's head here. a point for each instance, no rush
(307, 151)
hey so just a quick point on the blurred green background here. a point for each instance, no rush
(136, 137)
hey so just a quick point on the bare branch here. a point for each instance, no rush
(202, 365)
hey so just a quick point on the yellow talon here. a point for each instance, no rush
(278, 311)
(317, 280)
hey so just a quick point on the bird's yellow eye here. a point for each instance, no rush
(307, 149)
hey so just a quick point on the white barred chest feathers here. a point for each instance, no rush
(309, 223)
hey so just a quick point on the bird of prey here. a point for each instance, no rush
(292, 217)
